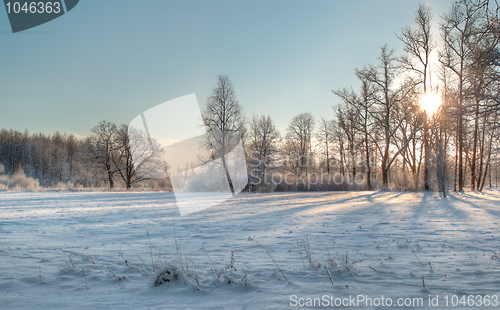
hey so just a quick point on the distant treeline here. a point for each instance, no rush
(62, 160)
(51, 159)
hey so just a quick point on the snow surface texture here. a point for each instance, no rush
(92, 250)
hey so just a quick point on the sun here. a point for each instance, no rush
(430, 102)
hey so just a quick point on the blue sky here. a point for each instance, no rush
(113, 59)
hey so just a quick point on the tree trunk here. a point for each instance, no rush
(426, 153)
(227, 175)
(368, 167)
(474, 148)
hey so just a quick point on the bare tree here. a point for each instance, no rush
(102, 147)
(324, 135)
(418, 45)
(263, 145)
(459, 29)
(363, 105)
(298, 141)
(224, 121)
(339, 138)
(484, 47)
(348, 120)
(390, 109)
(147, 162)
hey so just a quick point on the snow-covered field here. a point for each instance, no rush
(91, 250)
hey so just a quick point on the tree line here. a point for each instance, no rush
(450, 142)
(423, 120)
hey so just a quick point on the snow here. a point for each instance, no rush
(83, 250)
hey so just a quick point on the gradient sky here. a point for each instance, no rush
(114, 59)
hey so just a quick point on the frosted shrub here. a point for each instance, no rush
(18, 182)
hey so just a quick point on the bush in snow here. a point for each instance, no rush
(18, 182)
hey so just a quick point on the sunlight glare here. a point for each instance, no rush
(430, 102)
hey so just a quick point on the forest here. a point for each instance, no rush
(426, 119)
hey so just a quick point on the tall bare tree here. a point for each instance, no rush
(325, 138)
(418, 46)
(348, 120)
(146, 163)
(299, 141)
(224, 121)
(459, 35)
(391, 109)
(102, 147)
(263, 146)
(363, 105)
